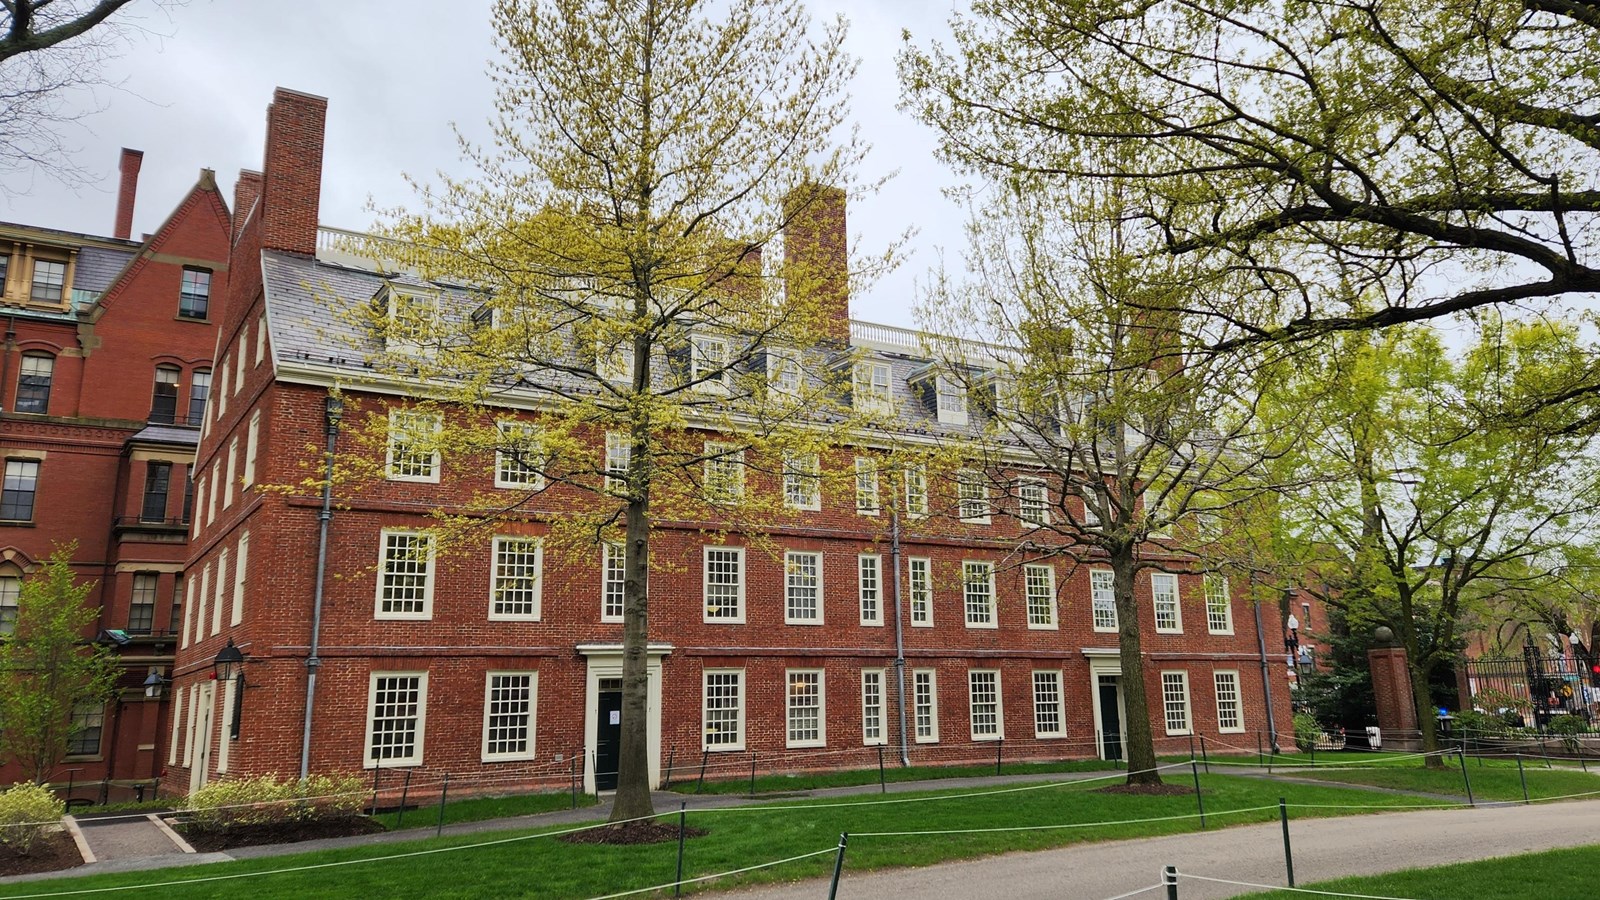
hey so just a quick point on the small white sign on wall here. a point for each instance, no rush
(616, 717)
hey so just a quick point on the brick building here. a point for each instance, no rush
(104, 372)
(505, 661)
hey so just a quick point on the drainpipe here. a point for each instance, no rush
(332, 413)
(899, 635)
(1266, 679)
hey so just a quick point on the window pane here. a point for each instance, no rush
(33, 384)
(723, 581)
(803, 587)
(1039, 585)
(16, 500)
(722, 709)
(199, 392)
(872, 707)
(1175, 700)
(403, 587)
(871, 583)
(1103, 598)
(805, 707)
(48, 279)
(978, 582)
(10, 590)
(921, 591)
(142, 610)
(1047, 704)
(613, 587)
(157, 485)
(1228, 715)
(984, 691)
(516, 578)
(194, 296)
(508, 718)
(396, 715)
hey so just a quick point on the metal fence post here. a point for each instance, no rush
(1204, 756)
(883, 787)
(1524, 776)
(1169, 877)
(998, 745)
(377, 770)
(666, 783)
(1288, 852)
(677, 886)
(704, 754)
(1195, 770)
(1467, 780)
(752, 773)
(443, 793)
(838, 866)
(405, 791)
(572, 778)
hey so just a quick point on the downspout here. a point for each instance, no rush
(899, 634)
(1266, 680)
(332, 413)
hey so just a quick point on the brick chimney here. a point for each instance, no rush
(817, 256)
(127, 188)
(245, 193)
(292, 182)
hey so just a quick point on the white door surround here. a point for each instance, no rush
(605, 661)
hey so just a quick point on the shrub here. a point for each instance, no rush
(27, 810)
(1306, 731)
(268, 799)
(1473, 724)
(1568, 727)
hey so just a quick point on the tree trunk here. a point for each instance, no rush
(633, 764)
(1141, 751)
(1426, 723)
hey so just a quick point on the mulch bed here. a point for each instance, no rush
(206, 840)
(631, 833)
(51, 853)
(1147, 790)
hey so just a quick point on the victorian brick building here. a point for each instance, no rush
(104, 372)
(506, 659)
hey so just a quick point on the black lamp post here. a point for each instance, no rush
(229, 664)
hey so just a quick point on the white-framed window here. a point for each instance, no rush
(238, 371)
(397, 705)
(951, 399)
(1047, 718)
(222, 391)
(977, 583)
(916, 480)
(405, 575)
(983, 695)
(200, 608)
(217, 487)
(867, 486)
(722, 711)
(871, 388)
(784, 379)
(802, 588)
(251, 446)
(516, 584)
(919, 588)
(261, 338)
(222, 591)
(1103, 599)
(1039, 588)
(411, 456)
(413, 319)
(869, 568)
(1164, 593)
(188, 607)
(177, 727)
(708, 363)
(240, 566)
(802, 481)
(199, 504)
(619, 451)
(805, 707)
(1230, 715)
(189, 739)
(724, 584)
(1091, 518)
(614, 362)
(1175, 701)
(1155, 513)
(230, 691)
(925, 705)
(1033, 503)
(233, 470)
(517, 462)
(873, 732)
(724, 473)
(509, 702)
(613, 577)
(1219, 605)
(972, 497)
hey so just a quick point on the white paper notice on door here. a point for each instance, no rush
(616, 717)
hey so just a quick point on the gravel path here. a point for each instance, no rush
(1323, 849)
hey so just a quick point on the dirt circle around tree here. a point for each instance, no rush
(1147, 790)
(51, 853)
(646, 832)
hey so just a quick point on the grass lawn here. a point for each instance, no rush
(476, 809)
(524, 864)
(1554, 873)
(1491, 779)
(891, 773)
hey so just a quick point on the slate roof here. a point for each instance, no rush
(97, 267)
(166, 434)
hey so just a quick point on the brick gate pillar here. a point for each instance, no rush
(1391, 691)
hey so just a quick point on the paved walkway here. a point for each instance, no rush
(117, 838)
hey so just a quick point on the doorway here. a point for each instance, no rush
(1110, 697)
(608, 734)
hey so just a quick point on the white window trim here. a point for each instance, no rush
(861, 593)
(974, 477)
(869, 499)
(367, 762)
(705, 684)
(503, 429)
(494, 575)
(945, 385)
(1061, 703)
(1188, 705)
(994, 612)
(216, 485)
(1227, 605)
(533, 715)
(233, 470)
(189, 737)
(705, 586)
(428, 585)
(200, 605)
(1238, 701)
(1054, 624)
(222, 591)
(718, 454)
(177, 727)
(251, 447)
(821, 740)
(882, 740)
(779, 360)
(702, 367)
(1177, 603)
(910, 581)
(919, 509)
(804, 468)
(870, 400)
(230, 689)
(619, 449)
(240, 562)
(999, 708)
(1023, 484)
(188, 609)
(1094, 621)
(787, 618)
(261, 339)
(933, 706)
(431, 420)
(605, 566)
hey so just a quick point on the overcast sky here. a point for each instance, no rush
(396, 73)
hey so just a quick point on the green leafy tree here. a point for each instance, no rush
(1440, 155)
(47, 669)
(620, 239)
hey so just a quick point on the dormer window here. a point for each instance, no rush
(411, 318)
(952, 399)
(708, 364)
(49, 281)
(783, 373)
(871, 389)
(614, 363)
